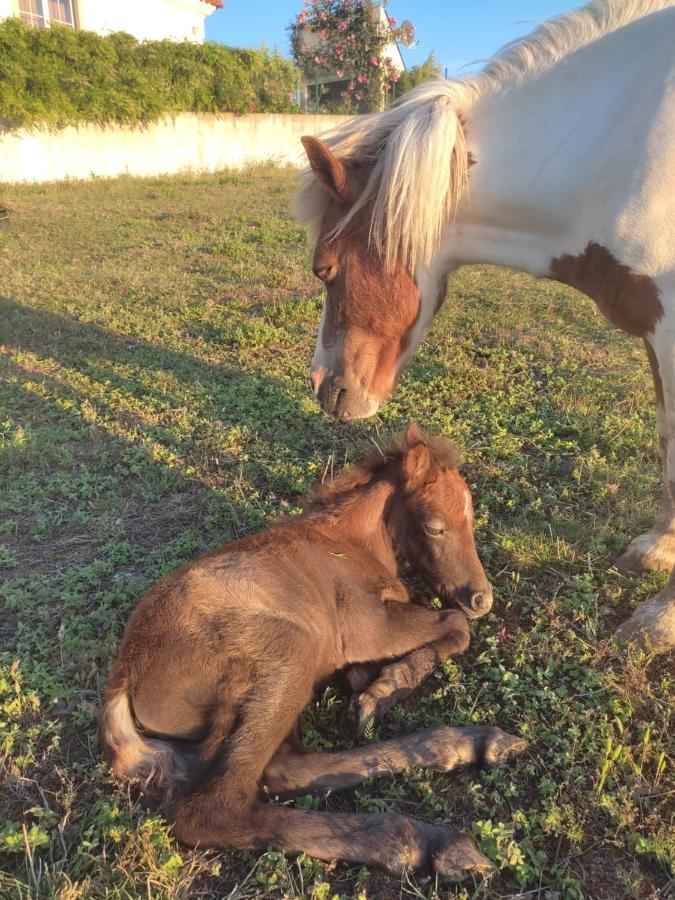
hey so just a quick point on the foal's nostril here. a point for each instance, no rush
(480, 603)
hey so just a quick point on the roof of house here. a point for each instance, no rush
(218, 3)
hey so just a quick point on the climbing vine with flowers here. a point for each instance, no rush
(346, 39)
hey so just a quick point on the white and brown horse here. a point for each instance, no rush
(557, 159)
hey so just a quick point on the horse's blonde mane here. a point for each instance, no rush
(416, 150)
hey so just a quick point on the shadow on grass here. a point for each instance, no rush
(128, 376)
(90, 470)
(125, 370)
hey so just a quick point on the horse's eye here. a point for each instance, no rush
(433, 529)
(326, 273)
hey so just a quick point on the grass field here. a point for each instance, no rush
(155, 338)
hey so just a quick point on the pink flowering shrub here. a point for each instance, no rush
(347, 39)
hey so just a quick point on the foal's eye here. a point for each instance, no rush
(433, 529)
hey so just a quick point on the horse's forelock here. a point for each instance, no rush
(417, 141)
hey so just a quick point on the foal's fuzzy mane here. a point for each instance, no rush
(416, 150)
(444, 454)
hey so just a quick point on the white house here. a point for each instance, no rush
(145, 19)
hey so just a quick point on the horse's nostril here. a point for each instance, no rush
(480, 602)
(315, 379)
(331, 396)
(339, 399)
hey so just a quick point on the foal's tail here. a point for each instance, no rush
(157, 763)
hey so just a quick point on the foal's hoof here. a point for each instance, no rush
(500, 746)
(455, 856)
(358, 719)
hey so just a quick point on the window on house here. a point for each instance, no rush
(42, 13)
(32, 13)
(61, 11)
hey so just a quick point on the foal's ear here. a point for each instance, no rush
(412, 435)
(416, 458)
(416, 462)
(330, 170)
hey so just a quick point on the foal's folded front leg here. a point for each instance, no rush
(360, 675)
(398, 679)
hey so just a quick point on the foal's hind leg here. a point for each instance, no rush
(442, 749)
(654, 620)
(223, 809)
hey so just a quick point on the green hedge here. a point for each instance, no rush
(62, 77)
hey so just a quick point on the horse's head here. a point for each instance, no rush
(432, 521)
(370, 308)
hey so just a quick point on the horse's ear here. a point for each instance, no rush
(416, 458)
(330, 171)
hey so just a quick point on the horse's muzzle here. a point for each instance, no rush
(337, 398)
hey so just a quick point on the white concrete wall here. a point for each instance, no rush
(187, 143)
(146, 19)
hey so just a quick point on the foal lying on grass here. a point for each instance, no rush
(220, 659)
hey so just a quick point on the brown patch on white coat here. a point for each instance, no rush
(629, 300)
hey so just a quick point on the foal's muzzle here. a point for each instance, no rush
(474, 604)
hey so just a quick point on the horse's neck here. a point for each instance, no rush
(556, 156)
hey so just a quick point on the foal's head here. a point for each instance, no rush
(431, 519)
(428, 515)
(370, 309)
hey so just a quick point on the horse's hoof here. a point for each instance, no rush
(455, 856)
(652, 625)
(653, 551)
(500, 746)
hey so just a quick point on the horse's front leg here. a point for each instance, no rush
(655, 550)
(654, 620)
